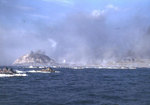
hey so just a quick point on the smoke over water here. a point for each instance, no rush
(78, 37)
(92, 39)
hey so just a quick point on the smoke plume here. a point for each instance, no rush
(79, 37)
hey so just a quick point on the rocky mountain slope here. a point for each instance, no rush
(34, 59)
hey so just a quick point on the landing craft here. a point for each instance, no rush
(46, 70)
(9, 72)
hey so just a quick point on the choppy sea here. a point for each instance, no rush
(77, 87)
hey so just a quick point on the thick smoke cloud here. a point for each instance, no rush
(87, 37)
(91, 39)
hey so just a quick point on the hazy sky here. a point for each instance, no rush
(77, 31)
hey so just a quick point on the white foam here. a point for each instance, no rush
(36, 71)
(31, 71)
(18, 71)
(12, 75)
(20, 74)
(57, 71)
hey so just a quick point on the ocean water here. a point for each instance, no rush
(78, 87)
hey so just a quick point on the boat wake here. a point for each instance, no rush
(36, 71)
(57, 71)
(18, 71)
(39, 71)
(12, 75)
